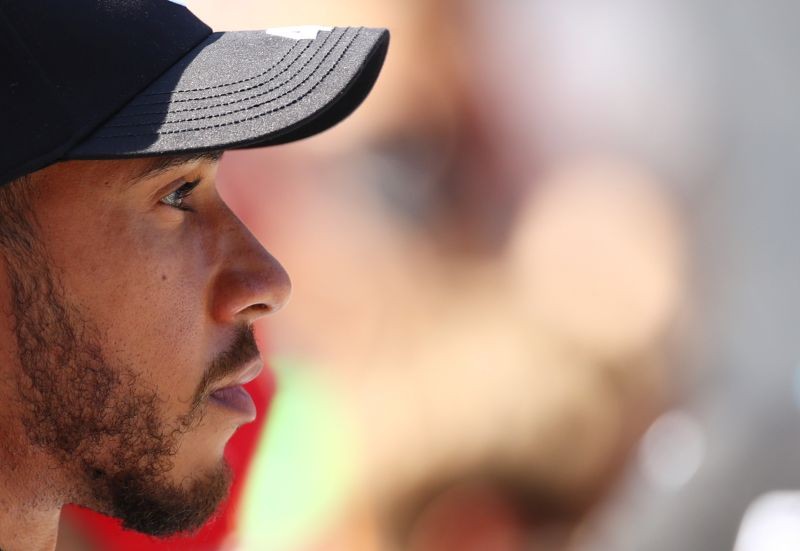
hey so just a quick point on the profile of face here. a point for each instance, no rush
(128, 293)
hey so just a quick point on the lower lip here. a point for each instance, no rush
(235, 398)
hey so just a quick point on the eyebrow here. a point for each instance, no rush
(159, 165)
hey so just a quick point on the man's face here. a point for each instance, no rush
(126, 312)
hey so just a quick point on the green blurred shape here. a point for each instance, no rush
(304, 468)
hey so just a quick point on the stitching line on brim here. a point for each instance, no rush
(254, 106)
(124, 115)
(259, 115)
(252, 87)
(259, 75)
(221, 85)
(222, 94)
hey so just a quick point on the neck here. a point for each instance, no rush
(25, 530)
(31, 482)
(29, 509)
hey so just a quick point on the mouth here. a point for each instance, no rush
(234, 398)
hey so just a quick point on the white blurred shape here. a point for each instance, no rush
(771, 523)
(672, 450)
(617, 71)
(619, 75)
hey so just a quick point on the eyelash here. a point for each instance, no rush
(181, 193)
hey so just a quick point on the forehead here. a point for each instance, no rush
(153, 166)
(125, 172)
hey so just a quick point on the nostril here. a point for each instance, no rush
(247, 295)
(261, 308)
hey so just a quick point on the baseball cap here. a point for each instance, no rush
(113, 79)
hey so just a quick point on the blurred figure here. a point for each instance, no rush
(500, 265)
(490, 274)
(489, 311)
(530, 384)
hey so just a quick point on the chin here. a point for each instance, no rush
(151, 505)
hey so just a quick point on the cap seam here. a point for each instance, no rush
(257, 105)
(86, 133)
(259, 115)
(201, 98)
(192, 90)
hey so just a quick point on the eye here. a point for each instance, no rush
(175, 199)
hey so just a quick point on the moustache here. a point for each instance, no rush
(241, 352)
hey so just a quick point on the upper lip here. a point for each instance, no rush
(247, 373)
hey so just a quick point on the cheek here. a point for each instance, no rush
(144, 288)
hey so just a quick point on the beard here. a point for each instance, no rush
(98, 419)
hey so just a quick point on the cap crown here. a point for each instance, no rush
(67, 65)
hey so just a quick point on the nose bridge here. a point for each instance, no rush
(250, 282)
(239, 243)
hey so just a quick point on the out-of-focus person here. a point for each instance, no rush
(488, 263)
(490, 313)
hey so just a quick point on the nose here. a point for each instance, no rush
(250, 282)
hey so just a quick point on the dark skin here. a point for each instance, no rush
(134, 303)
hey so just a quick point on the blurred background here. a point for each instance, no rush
(546, 286)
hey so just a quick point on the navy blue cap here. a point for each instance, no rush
(108, 79)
